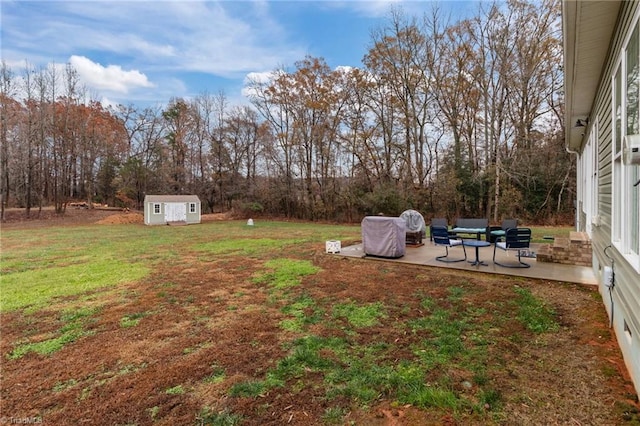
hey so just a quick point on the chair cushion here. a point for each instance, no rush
(455, 242)
(472, 223)
(501, 245)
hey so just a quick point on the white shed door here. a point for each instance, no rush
(175, 212)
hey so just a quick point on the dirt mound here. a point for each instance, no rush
(122, 219)
(138, 217)
(18, 218)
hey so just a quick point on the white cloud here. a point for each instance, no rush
(259, 77)
(111, 78)
(253, 79)
(369, 8)
(345, 69)
(145, 51)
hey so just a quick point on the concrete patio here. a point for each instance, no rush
(426, 255)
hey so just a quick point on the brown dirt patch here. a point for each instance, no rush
(122, 218)
(199, 317)
(18, 218)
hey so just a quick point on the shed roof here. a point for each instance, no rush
(171, 199)
(587, 29)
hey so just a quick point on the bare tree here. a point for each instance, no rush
(8, 112)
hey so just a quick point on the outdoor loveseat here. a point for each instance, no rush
(471, 226)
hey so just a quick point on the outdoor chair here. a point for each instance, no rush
(440, 221)
(517, 239)
(441, 237)
(494, 232)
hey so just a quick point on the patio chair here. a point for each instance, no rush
(494, 232)
(440, 221)
(515, 239)
(441, 237)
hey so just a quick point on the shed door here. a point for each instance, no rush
(175, 212)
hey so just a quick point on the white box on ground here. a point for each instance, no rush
(333, 246)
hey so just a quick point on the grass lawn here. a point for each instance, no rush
(223, 323)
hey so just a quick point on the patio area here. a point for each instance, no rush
(426, 255)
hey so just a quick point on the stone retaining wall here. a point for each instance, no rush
(575, 250)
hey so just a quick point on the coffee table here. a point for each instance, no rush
(477, 244)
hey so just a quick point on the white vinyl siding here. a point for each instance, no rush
(163, 209)
(614, 114)
(589, 177)
(616, 109)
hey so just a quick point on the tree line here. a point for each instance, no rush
(450, 119)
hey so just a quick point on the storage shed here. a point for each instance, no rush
(171, 209)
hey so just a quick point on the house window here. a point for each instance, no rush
(626, 115)
(192, 207)
(156, 208)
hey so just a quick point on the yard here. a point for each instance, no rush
(106, 321)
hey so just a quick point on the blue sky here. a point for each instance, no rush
(144, 52)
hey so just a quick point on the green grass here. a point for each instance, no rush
(132, 320)
(41, 266)
(539, 232)
(284, 273)
(302, 312)
(245, 246)
(253, 388)
(73, 323)
(175, 390)
(364, 373)
(534, 315)
(36, 287)
(334, 415)
(208, 417)
(360, 316)
(217, 375)
(38, 265)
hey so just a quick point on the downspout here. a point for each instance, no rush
(575, 207)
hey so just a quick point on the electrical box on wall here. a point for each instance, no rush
(607, 276)
(631, 150)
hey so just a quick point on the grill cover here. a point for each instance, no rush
(383, 236)
(415, 221)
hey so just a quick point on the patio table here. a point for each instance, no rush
(477, 244)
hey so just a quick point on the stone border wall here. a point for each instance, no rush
(575, 250)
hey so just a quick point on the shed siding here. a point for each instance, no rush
(626, 293)
(167, 203)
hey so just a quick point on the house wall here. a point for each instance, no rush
(624, 299)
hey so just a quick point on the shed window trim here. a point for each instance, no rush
(192, 208)
(156, 208)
